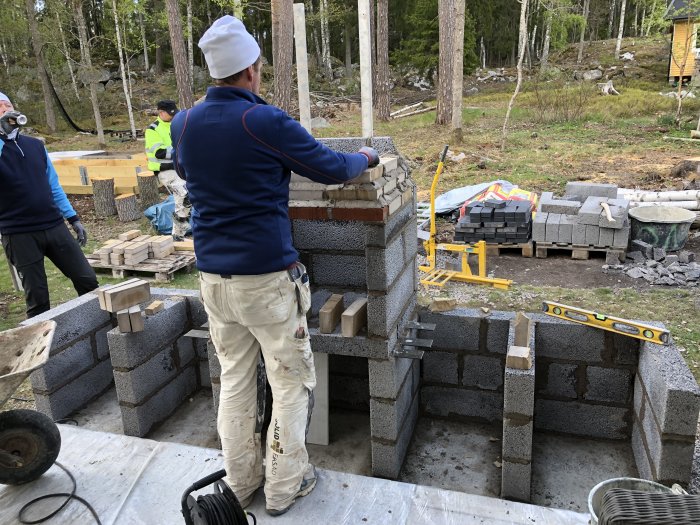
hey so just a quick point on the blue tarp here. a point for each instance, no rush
(161, 216)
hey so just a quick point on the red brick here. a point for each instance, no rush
(361, 214)
(310, 214)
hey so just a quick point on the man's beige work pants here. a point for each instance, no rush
(247, 314)
(178, 189)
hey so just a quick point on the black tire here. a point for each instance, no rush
(32, 436)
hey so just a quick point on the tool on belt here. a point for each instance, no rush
(297, 274)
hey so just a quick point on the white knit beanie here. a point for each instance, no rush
(228, 48)
(4, 97)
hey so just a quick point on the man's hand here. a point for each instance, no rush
(371, 154)
(81, 234)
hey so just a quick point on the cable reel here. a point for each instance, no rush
(220, 508)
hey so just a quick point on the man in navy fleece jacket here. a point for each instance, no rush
(33, 207)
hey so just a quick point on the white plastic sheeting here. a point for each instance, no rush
(132, 481)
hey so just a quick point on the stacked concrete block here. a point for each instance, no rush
(666, 407)
(549, 204)
(154, 370)
(518, 412)
(496, 222)
(582, 190)
(78, 369)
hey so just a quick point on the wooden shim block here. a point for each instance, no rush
(123, 321)
(329, 315)
(125, 296)
(582, 255)
(131, 234)
(136, 258)
(154, 307)
(519, 357)
(442, 304)
(136, 319)
(116, 259)
(105, 258)
(184, 246)
(121, 248)
(521, 328)
(100, 292)
(142, 238)
(354, 318)
(136, 247)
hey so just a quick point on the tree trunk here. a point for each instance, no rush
(146, 65)
(482, 53)
(611, 20)
(348, 49)
(445, 69)
(66, 54)
(103, 197)
(522, 42)
(37, 44)
(158, 69)
(458, 70)
(651, 18)
(148, 189)
(586, 9)
(531, 46)
(3, 56)
(383, 104)
(314, 35)
(282, 48)
(122, 70)
(325, 40)
(190, 46)
(373, 47)
(208, 14)
(545, 46)
(238, 9)
(127, 207)
(177, 45)
(87, 65)
(621, 29)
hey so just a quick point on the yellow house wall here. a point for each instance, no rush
(680, 48)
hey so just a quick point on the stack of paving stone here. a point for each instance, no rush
(496, 222)
(579, 220)
(655, 266)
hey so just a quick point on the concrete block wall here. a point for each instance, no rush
(666, 407)
(518, 426)
(78, 369)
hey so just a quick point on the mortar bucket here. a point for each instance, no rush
(595, 496)
(661, 226)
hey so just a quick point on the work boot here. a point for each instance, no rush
(308, 483)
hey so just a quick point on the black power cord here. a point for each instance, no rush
(220, 508)
(69, 496)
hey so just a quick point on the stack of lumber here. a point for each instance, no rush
(123, 299)
(132, 248)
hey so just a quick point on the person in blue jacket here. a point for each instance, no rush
(33, 207)
(237, 153)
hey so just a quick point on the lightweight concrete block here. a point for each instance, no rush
(387, 417)
(76, 394)
(641, 456)
(592, 235)
(131, 349)
(451, 402)
(379, 234)
(383, 265)
(566, 340)
(590, 211)
(200, 348)
(338, 270)
(384, 309)
(519, 392)
(328, 235)
(498, 326)
(387, 457)
(204, 377)
(539, 227)
(517, 439)
(612, 385)
(457, 329)
(586, 189)
(566, 229)
(552, 228)
(606, 237)
(516, 480)
(214, 365)
(673, 392)
(138, 420)
(197, 314)
(618, 214)
(135, 386)
(582, 419)
(74, 319)
(440, 367)
(483, 372)
(63, 367)
(387, 375)
(358, 346)
(101, 344)
(215, 395)
(578, 235)
(349, 392)
(185, 351)
(625, 349)
(561, 381)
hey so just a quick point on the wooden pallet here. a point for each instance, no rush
(527, 249)
(162, 269)
(577, 252)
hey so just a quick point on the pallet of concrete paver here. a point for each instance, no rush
(581, 252)
(161, 269)
(527, 249)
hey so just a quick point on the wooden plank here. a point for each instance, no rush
(87, 162)
(519, 357)
(330, 313)
(136, 248)
(123, 321)
(128, 295)
(76, 189)
(187, 245)
(154, 307)
(131, 234)
(100, 292)
(136, 319)
(354, 318)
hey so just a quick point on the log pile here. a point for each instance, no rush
(103, 196)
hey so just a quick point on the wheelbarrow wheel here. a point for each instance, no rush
(31, 437)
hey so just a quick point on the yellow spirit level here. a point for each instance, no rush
(641, 331)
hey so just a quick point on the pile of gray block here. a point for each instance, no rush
(578, 219)
(656, 266)
(587, 382)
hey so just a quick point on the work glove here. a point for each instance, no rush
(81, 234)
(371, 154)
(10, 121)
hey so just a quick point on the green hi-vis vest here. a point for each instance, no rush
(157, 137)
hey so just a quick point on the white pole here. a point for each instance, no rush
(302, 66)
(365, 68)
